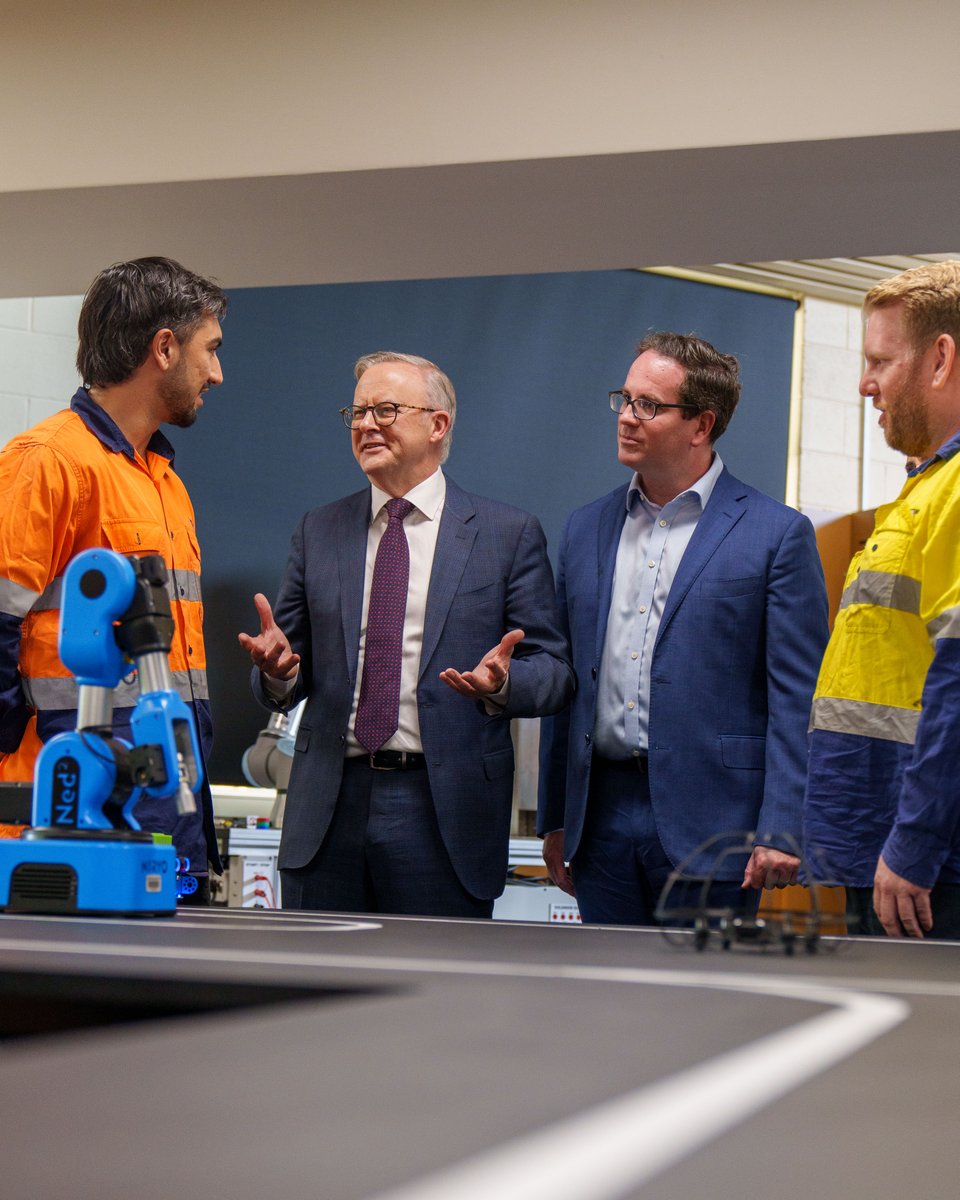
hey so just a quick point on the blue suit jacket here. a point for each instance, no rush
(490, 574)
(734, 667)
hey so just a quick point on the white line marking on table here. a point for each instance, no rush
(617, 1146)
(282, 922)
(622, 1143)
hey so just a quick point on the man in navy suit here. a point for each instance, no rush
(697, 617)
(416, 820)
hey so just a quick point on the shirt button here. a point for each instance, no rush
(643, 608)
(651, 563)
(631, 705)
(636, 754)
(634, 655)
(663, 524)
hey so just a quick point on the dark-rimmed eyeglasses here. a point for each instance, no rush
(642, 409)
(384, 413)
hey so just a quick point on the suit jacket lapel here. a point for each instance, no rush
(455, 538)
(352, 528)
(610, 521)
(724, 509)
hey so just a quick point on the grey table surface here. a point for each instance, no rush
(259, 1054)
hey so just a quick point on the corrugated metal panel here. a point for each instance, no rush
(843, 279)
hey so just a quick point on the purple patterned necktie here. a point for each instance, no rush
(379, 704)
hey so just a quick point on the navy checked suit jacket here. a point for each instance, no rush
(490, 574)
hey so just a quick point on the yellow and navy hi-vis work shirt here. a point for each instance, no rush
(71, 483)
(884, 773)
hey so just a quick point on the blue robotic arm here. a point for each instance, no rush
(86, 852)
(115, 615)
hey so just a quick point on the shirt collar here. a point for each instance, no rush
(947, 450)
(105, 429)
(702, 489)
(427, 497)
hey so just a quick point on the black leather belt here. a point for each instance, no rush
(638, 763)
(394, 760)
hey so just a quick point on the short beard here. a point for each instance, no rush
(907, 428)
(183, 419)
(182, 407)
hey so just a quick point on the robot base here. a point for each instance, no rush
(87, 876)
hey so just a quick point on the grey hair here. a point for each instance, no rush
(439, 388)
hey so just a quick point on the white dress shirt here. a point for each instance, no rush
(421, 527)
(652, 544)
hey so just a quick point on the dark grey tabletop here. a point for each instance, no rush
(250, 1055)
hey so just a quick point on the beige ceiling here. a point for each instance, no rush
(843, 279)
(99, 93)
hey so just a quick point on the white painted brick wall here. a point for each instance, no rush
(15, 314)
(13, 415)
(38, 345)
(831, 410)
(838, 473)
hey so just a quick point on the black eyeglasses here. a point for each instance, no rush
(642, 409)
(384, 413)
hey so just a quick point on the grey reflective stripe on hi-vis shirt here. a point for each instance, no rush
(883, 590)
(945, 624)
(49, 598)
(185, 586)
(181, 585)
(16, 599)
(863, 719)
(61, 693)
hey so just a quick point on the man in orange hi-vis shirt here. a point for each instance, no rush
(100, 474)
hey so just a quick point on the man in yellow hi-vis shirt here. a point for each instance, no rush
(883, 790)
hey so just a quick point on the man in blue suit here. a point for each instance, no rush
(697, 616)
(400, 793)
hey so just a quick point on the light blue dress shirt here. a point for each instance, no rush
(652, 544)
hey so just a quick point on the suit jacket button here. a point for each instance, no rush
(586, 738)
(593, 672)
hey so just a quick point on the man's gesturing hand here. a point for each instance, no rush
(490, 673)
(270, 650)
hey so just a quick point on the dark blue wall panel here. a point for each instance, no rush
(532, 359)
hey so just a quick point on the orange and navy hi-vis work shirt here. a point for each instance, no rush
(71, 483)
